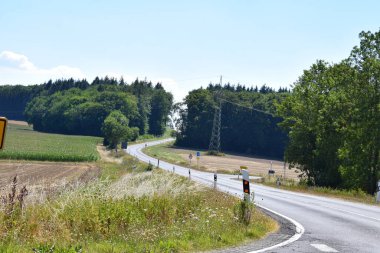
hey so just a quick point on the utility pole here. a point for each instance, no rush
(214, 146)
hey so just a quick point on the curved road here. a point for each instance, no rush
(331, 225)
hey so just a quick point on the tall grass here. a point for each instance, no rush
(22, 143)
(169, 214)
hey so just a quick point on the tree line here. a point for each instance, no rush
(242, 129)
(77, 107)
(14, 98)
(333, 119)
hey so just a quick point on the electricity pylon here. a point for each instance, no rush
(214, 147)
(215, 135)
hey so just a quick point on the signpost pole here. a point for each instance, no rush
(198, 157)
(215, 179)
(246, 189)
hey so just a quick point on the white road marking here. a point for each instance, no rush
(299, 232)
(323, 248)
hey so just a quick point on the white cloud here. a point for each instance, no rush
(22, 61)
(19, 68)
(16, 68)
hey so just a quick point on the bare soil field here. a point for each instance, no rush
(44, 173)
(231, 163)
(17, 122)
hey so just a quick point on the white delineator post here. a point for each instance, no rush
(215, 179)
(378, 192)
(246, 190)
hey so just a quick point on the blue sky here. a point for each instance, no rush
(183, 44)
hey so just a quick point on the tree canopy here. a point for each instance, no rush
(333, 119)
(77, 107)
(115, 129)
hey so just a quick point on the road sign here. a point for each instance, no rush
(198, 154)
(378, 192)
(246, 189)
(3, 127)
(190, 156)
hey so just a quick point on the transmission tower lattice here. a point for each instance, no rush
(215, 135)
(214, 146)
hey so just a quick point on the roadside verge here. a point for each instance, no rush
(290, 230)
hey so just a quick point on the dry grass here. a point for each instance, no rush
(229, 163)
(153, 211)
(151, 183)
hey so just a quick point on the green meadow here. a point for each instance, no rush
(22, 143)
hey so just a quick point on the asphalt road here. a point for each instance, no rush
(330, 225)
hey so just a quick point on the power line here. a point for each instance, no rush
(249, 108)
(217, 122)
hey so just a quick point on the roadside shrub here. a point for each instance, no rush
(173, 133)
(243, 210)
(149, 167)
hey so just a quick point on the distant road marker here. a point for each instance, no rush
(323, 248)
(3, 127)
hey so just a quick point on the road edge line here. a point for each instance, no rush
(299, 231)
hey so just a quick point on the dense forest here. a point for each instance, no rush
(78, 107)
(333, 120)
(242, 129)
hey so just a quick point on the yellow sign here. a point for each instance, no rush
(243, 167)
(3, 127)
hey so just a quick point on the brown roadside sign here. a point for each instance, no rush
(3, 127)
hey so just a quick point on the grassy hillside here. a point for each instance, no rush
(22, 143)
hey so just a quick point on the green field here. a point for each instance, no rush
(22, 143)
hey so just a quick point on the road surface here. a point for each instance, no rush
(330, 225)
